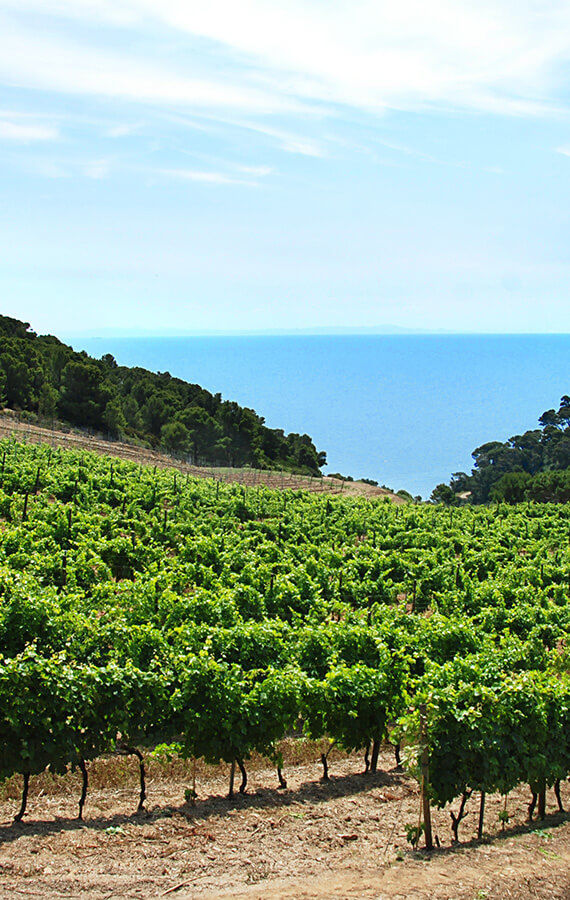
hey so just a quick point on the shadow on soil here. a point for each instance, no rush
(541, 826)
(309, 792)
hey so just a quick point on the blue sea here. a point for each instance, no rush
(406, 410)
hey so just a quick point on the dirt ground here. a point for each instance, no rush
(342, 839)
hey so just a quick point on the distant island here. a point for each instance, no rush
(530, 466)
(41, 376)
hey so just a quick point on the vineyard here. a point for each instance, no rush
(150, 613)
(11, 426)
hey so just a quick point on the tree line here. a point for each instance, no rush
(530, 466)
(41, 375)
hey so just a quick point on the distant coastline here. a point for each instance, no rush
(317, 331)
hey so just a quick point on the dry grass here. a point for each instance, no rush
(121, 773)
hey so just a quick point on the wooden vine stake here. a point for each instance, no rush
(21, 812)
(481, 817)
(542, 799)
(232, 777)
(84, 786)
(425, 777)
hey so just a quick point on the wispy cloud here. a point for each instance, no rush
(288, 141)
(205, 177)
(119, 131)
(287, 73)
(257, 171)
(26, 132)
(492, 56)
(47, 168)
(97, 169)
(373, 54)
(56, 63)
(420, 154)
(565, 151)
(304, 147)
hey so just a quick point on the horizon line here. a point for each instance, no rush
(387, 331)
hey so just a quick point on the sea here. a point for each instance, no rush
(405, 410)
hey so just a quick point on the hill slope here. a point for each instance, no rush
(277, 479)
(39, 374)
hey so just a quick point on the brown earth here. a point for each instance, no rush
(314, 841)
(70, 439)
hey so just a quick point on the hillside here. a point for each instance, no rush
(41, 375)
(12, 426)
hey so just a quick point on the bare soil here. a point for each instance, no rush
(77, 440)
(314, 840)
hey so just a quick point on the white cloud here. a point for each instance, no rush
(565, 151)
(47, 168)
(299, 60)
(82, 10)
(303, 146)
(25, 132)
(214, 178)
(97, 169)
(258, 171)
(419, 154)
(291, 143)
(119, 131)
(494, 55)
(32, 59)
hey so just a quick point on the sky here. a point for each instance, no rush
(186, 167)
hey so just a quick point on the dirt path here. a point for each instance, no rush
(313, 841)
(510, 871)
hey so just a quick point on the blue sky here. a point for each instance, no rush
(183, 167)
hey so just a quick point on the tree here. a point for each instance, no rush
(155, 414)
(564, 411)
(203, 432)
(131, 412)
(113, 417)
(550, 417)
(109, 360)
(22, 374)
(442, 493)
(47, 401)
(82, 401)
(175, 437)
(511, 487)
